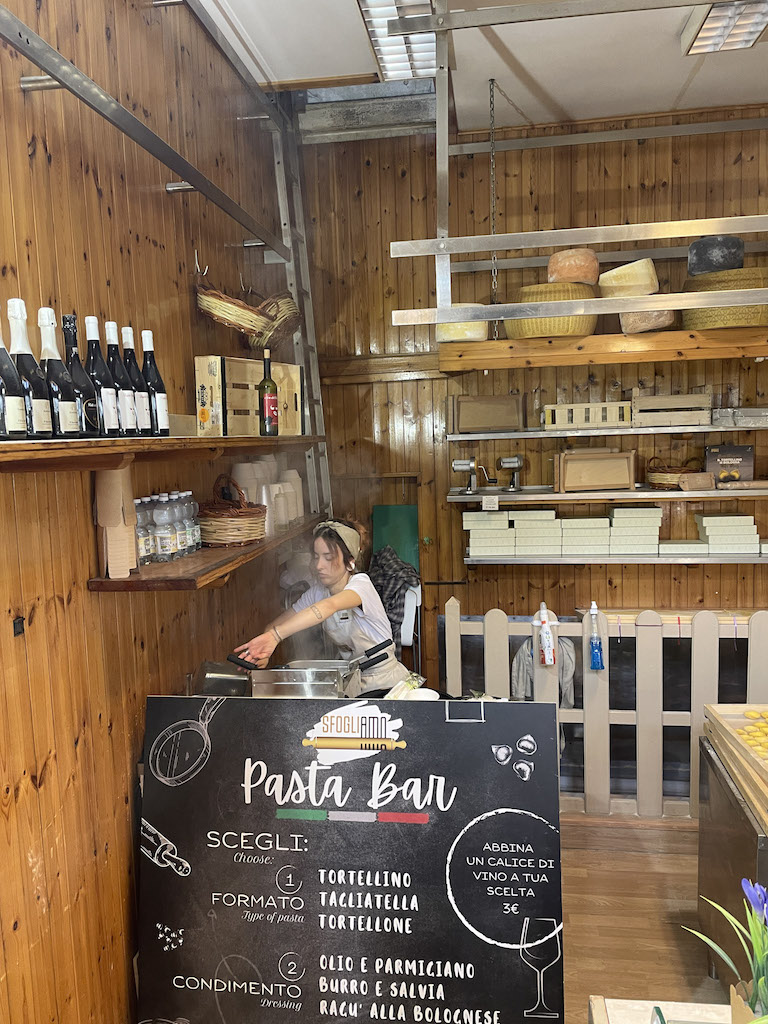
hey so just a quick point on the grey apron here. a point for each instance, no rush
(342, 628)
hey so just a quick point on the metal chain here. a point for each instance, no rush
(494, 254)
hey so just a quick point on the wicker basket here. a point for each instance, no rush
(269, 323)
(224, 522)
(552, 326)
(662, 477)
(726, 316)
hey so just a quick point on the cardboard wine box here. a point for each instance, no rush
(227, 396)
(731, 462)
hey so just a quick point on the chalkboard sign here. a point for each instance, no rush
(324, 860)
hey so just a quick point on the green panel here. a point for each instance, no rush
(398, 527)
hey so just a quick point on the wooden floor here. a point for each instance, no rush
(627, 889)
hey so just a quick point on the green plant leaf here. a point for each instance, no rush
(740, 930)
(714, 946)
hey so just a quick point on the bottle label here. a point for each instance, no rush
(269, 408)
(109, 402)
(191, 537)
(142, 411)
(198, 535)
(181, 537)
(166, 543)
(15, 415)
(41, 416)
(127, 406)
(69, 421)
(145, 547)
(163, 423)
(91, 415)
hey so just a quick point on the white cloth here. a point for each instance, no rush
(356, 630)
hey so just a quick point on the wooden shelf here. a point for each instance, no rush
(208, 567)
(620, 560)
(545, 495)
(108, 453)
(572, 434)
(600, 349)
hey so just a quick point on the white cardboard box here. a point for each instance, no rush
(636, 513)
(533, 513)
(723, 520)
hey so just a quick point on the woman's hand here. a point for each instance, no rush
(259, 650)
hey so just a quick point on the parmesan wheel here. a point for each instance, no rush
(637, 278)
(469, 330)
(575, 266)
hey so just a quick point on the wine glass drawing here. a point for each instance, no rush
(540, 949)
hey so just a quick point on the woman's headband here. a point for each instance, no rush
(348, 534)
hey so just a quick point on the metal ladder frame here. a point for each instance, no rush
(293, 227)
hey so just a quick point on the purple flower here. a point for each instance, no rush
(757, 896)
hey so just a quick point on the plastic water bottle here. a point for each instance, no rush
(195, 508)
(189, 522)
(165, 530)
(178, 520)
(143, 547)
(148, 507)
(596, 661)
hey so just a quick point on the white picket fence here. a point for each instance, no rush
(705, 629)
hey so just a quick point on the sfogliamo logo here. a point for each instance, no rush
(359, 730)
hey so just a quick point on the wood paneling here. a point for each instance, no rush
(392, 182)
(86, 226)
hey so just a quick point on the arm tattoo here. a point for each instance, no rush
(316, 612)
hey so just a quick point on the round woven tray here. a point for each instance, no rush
(268, 323)
(726, 316)
(224, 522)
(667, 478)
(552, 326)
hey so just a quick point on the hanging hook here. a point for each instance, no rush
(202, 273)
(242, 283)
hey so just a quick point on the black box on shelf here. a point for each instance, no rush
(731, 462)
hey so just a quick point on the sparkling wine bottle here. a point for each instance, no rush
(267, 400)
(143, 416)
(98, 371)
(158, 399)
(126, 397)
(36, 396)
(13, 415)
(89, 406)
(65, 398)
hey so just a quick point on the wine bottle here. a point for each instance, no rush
(98, 371)
(143, 418)
(65, 398)
(126, 397)
(158, 399)
(37, 403)
(267, 400)
(13, 416)
(89, 408)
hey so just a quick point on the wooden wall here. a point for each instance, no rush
(86, 226)
(385, 400)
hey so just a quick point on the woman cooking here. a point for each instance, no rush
(349, 608)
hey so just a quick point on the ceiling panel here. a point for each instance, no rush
(299, 40)
(600, 67)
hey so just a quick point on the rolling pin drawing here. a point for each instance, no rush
(161, 850)
(350, 743)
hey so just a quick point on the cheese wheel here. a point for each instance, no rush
(469, 330)
(574, 266)
(713, 253)
(652, 320)
(638, 278)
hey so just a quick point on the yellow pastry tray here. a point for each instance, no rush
(744, 728)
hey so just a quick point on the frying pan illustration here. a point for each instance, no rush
(182, 749)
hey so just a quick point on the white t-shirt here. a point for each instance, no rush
(370, 617)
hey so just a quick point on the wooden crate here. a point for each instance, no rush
(750, 784)
(227, 395)
(595, 470)
(582, 415)
(691, 410)
(726, 719)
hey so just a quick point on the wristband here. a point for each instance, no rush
(277, 635)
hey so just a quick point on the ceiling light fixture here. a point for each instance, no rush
(726, 26)
(400, 57)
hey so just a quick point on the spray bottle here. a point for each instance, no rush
(596, 662)
(546, 640)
